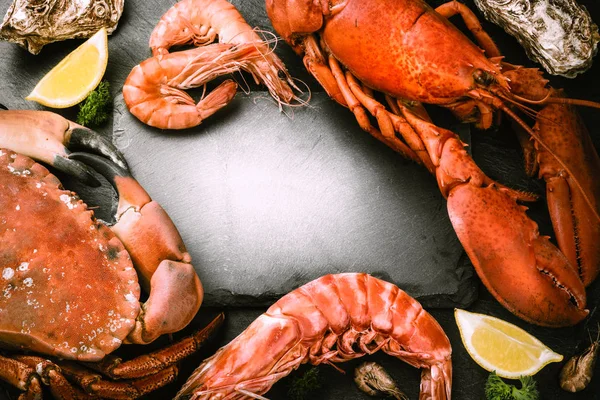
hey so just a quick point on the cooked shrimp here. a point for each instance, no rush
(199, 22)
(332, 319)
(153, 90)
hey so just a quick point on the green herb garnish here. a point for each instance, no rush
(96, 107)
(302, 386)
(497, 389)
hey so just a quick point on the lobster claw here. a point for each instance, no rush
(571, 194)
(570, 166)
(524, 271)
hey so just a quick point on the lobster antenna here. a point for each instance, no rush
(527, 110)
(524, 100)
(575, 102)
(534, 135)
(518, 102)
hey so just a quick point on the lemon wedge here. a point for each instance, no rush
(497, 345)
(75, 76)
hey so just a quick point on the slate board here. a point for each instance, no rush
(267, 201)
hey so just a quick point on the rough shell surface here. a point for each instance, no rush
(34, 23)
(67, 285)
(558, 34)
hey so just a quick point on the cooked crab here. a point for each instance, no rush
(68, 287)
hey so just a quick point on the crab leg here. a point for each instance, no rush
(57, 376)
(48, 137)
(95, 385)
(21, 376)
(158, 252)
(138, 376)
(52, 376)
(151, 363)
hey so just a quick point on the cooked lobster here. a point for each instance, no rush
(408, 53)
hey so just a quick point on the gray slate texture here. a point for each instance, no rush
(268, 200)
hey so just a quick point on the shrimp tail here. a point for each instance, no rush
(436, 382)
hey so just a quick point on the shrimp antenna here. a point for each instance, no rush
(250, 394)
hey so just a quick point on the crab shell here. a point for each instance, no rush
(67, 285)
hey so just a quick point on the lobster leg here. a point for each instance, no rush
(158, 252)
(330, 75)
(388, 123)
(415, 107)
(453, 8)
(315, 62)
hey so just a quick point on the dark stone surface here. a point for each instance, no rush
(267, 202)
(277, 199)
(324, 233)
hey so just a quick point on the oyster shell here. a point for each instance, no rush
(559, 34)
(34, 23)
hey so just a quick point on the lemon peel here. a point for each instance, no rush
(497, 345)
(75, 76)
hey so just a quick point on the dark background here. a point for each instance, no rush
(495, 151)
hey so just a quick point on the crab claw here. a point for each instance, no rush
(157, 251)
(48, 137)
